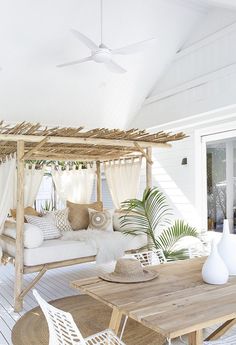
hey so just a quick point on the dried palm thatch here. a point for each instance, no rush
(69, 143)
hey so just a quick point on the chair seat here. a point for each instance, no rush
(222, 341)
(103, 338)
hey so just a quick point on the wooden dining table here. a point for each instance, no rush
(176, 303)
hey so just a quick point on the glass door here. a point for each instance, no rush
(221, 183)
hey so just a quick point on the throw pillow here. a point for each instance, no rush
(61, 219)
(79, 215)
(117, 217)
(48, 226)
(30, 211)
(33, 235)
(100, 220)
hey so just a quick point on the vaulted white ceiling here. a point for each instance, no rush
(35, 36)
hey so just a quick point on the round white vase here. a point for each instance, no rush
(226, 249)
(214, 270)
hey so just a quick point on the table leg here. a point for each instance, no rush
(195, 338)
(221, 330)
(115, 320)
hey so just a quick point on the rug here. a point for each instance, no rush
(91, 316)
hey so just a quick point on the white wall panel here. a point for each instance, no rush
(201, 79)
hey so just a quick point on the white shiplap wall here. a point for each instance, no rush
(174, 179)
(202, 78)
(197, 93)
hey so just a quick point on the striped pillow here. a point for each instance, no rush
(48, 227)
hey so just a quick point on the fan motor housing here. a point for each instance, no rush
(102, 55)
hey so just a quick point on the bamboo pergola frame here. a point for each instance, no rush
(35, 142)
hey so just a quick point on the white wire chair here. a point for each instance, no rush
(63, 330)
(151, 257)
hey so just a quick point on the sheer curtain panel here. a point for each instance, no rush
(32, 179)
(7, 175)
(123, 179)
(75, 185)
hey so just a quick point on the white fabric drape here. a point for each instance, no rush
(74, 185)
(7, 175)
(32, 180)
(123, 179)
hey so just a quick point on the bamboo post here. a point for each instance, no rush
(99, 181)
(19, 255)
(148, 167)
(149, 182)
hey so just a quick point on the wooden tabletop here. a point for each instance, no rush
(177, 302)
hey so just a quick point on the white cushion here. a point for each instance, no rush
(48, 227)
(117, 222)
(33, 235)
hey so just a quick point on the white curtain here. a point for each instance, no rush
(32, 180)
(7, 176)
(74, 185)
(123, 179)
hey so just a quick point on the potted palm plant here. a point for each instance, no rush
(150, 216)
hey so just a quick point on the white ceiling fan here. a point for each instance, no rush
(101, 53)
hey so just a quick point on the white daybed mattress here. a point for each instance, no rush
(52, 251)
(60, 250)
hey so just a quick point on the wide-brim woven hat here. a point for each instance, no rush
(129, 271)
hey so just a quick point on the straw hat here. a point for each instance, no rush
(129, 271)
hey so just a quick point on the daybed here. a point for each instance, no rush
(25, 141)
(59, 251)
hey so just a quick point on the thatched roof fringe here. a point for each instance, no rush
(69, 142)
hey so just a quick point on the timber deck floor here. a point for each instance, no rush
(54, 285)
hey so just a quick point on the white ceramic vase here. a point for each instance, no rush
(214, 270)
(226, 249)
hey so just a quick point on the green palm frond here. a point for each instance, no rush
(170, 236)
(144, 216)
(149, 216)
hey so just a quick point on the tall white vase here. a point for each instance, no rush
(214, 270)
(226, 248)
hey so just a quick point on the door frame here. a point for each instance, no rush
(201, 138)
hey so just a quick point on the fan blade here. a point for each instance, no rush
(133, 48)
(75, 62)
(87, 41)
(114, 67)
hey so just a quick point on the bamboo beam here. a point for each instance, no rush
(75, 140)
(19, 256)
(38, 146)
(148, 167)
(143, 152)
(99, 181)
(58, 264)
(34, 281)
(75, 157)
